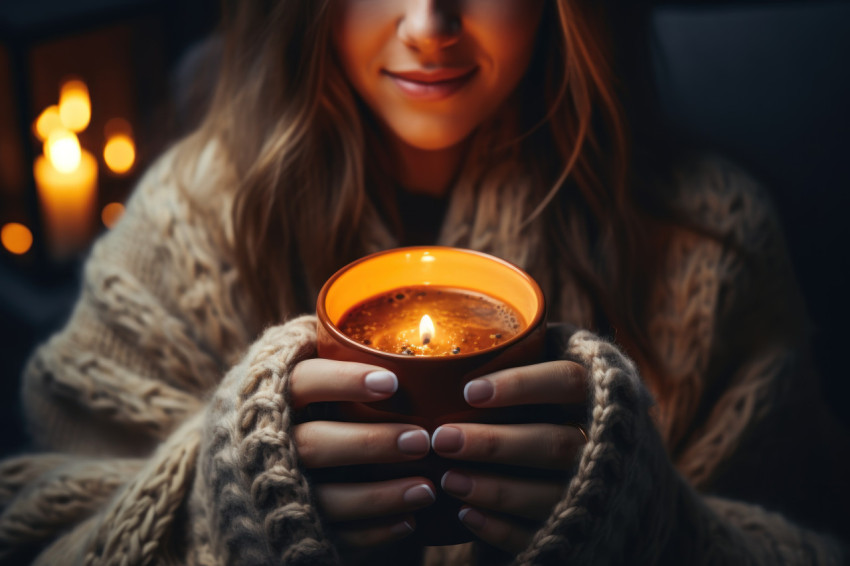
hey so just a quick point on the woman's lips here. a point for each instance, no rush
(431, 85)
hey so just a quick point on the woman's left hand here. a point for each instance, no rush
(506, 511)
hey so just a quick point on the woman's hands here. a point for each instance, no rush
(505, 511)
(502, 510)
(362, 514)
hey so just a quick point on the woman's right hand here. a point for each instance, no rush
(361, 514)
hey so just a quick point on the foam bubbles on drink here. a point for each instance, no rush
(467, 321)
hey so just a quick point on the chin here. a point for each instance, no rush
(431, 138)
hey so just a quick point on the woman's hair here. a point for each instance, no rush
(549, 182)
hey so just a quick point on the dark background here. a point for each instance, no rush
(766, 83)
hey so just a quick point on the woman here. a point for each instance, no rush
(170, 405)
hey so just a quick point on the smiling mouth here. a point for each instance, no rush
(431, 85)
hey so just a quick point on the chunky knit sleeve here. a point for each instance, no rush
(731, 458)
(160, 418)
(627, 504)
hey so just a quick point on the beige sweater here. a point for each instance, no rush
(161, 409)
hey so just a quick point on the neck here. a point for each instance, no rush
(427, 172)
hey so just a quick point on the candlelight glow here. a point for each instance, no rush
(47, 122)
(111, 214)
(119, 153)
(426, 329)
(75, 105)
(67, 202)
(63, 150)
(16, 238)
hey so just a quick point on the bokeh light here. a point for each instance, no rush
(75, 105)
(47, 122)
(119, 153)
(112, 213)
(62, 149)
(16, 238)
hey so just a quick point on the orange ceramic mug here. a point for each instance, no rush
(430, 389)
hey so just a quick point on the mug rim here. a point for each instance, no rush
(332, 329)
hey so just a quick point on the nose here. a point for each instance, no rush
(429, 25)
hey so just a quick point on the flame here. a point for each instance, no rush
(47, 122)
(426, 329)
(62, 149)
(75, 105)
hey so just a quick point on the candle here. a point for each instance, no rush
(431, 321)
(416, 306)
(436, 316)
(66, 180)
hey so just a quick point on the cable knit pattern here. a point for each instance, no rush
(65, 491)
(255, 500)
(614, 478)
(163, 408)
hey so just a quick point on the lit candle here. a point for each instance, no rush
(485, 315)
(406, 320)
(66, 179)
(74, 105)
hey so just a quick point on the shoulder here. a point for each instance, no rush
(183, 198)
(193, 176)
(716, 195)
(175, 239)
(730, 237)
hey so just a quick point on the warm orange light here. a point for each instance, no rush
(426, 329)
(47, 122)
(16, 238)
(75, 105)
(112, 213)
(119, 153)
(67, 203)
(62, 149)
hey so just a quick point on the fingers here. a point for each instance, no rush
(559, 382)
(322, 444)
(318, 380)
(526, 498)
(496, 531)
(356, 501)
(544, 446)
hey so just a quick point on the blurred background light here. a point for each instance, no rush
(16, 238)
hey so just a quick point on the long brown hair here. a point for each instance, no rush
(547, 184)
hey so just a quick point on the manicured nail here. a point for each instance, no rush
(471, 518)
(421, 494)
(381, 382)
(447, 439)
(414, 442)
(478, 391)
(456, 483)
(403, 528)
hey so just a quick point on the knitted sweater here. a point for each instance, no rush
(162, 408)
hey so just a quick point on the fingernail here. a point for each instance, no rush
(403, 528)
(414, 442)
(471, 518)
(478, 391)
(456, 483)
(381, 382)
(421, 494)
(447, 439)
